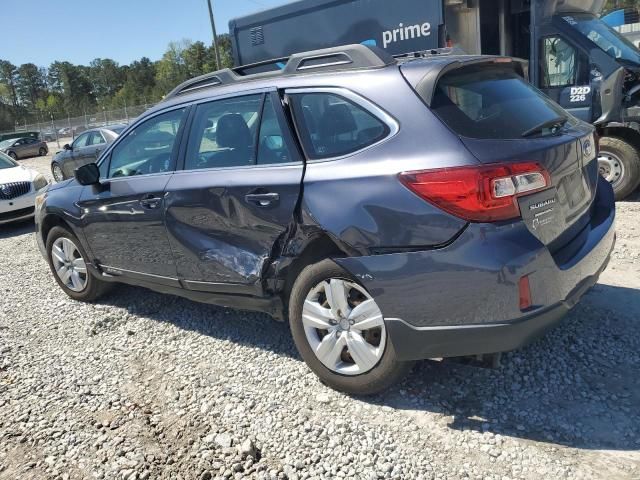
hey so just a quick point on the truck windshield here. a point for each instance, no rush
(494, 102)
(605, 37)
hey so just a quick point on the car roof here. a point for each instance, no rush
(304, 68)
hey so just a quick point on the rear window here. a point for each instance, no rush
(491, 103)
(332, 126)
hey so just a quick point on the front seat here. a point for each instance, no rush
(233, 133)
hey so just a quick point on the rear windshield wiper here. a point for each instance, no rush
(555, 123)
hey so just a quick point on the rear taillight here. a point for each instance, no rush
(484, 193)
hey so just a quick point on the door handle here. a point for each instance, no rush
(150, 202)
(262, 199)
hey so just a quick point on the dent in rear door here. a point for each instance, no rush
(224, 223)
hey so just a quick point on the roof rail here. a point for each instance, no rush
(433, 52)
(348, 57)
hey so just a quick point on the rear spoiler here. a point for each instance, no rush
(424, 76)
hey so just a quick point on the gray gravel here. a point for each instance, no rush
(143, 385)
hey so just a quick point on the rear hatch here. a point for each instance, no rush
(500, 118)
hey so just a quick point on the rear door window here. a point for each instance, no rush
(332, 126)
(491, 102)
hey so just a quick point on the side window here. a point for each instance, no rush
(562, 65)
(272, 145)
(148, 148)
(223, 133)
(81, 141)
(96, 139)
(331, 126)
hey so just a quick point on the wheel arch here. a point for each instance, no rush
(52, 220)
(627, 134)
(313, 249)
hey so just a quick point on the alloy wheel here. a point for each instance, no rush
(57, 173)
(610, 167)
(69, 265)
(344, 327)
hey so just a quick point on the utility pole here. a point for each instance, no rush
(215, 35)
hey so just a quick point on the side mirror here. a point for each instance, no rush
(88, 174)
(67, 146)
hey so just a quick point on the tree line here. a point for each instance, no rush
(30, 93)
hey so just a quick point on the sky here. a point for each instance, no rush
(124, 30)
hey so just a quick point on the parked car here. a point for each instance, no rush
(48, 136)
(426, 207)
(24, 147)
(86, 148)
(18, 188)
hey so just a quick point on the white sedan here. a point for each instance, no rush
(18, 189)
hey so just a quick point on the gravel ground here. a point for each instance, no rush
(143, 385)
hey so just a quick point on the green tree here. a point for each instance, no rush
(171, 70)
(30, 84)
(8, 74)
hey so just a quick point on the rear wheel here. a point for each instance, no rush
(619, 164)
(68, 263)
(56, 171)
(340, 332)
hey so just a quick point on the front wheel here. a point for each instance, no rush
(68, 263)
(13, 155)
(42, 151)
(57, 173)
(619, 164)
(340, 332)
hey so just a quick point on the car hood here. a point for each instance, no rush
(17, 174)
(64, 183)
(60, 155)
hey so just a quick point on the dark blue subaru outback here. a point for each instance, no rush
(391, 209)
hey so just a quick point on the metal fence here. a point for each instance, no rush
(52, 127)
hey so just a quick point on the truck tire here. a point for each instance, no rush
(619, 164)
(373, 365)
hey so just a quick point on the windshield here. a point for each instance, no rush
(605, 37)
(117, 130)
(6, 161)
(7, 143)
(494, 102)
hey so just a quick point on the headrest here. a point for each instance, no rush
(336, 120)
(232, 131)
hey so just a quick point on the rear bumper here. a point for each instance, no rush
(464, 299)
(415, 343)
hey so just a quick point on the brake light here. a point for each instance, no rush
(484, 193)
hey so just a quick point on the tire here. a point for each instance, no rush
(57, 172)
(619, 164)
(42, 151)
(93, 287)
(13, 155)
(347, 375)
